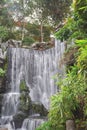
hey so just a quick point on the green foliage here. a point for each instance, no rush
(81, 42)
(35, 32)
(33, 29)
(2, 72)
(65, 32)
(17, 35)
(45, 126)
(3, 33)
(82, 60)
(70, 30)
(81, 8)
(6, 19)
(71, 101)
(23, 86)
(75, 26)
(56, 9)
(48, 126)
(28, 41)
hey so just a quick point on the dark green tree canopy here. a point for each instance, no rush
(57, 9)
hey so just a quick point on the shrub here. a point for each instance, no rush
(28, 41)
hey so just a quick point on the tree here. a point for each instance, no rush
(80, 9)
(20, 10)
(50, 12)
(5, 16)
(75, 25)
(56, 9)
(6, 21)
(71, 101)
(40, 16)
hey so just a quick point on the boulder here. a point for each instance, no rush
(10, 43)
(18, 119)
(38, 109)
(14, 43)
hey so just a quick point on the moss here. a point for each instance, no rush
(23, 87)
(18, 119)
(25, 103)
(25, 100)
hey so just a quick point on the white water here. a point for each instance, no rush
(31, 124)
(37, 69)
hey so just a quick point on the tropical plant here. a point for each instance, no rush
(71, 101)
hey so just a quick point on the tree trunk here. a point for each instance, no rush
(70, 125)
(41, 31)
(22, 35)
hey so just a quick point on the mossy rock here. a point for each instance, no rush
(23, 87)
(18, 119)
(39, 108)
(25, 100)
(25, 103)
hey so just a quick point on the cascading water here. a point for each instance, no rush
(31, 123)
(10, 100)
(37, 69)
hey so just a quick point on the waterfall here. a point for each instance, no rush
(31, 124)
(37, 68)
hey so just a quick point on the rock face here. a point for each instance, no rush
(10, 43)
(70, 125)
(14, 43)
(43, 45)
(27, 107)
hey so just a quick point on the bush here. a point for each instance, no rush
(45, 126)
(5, 34)
(28, 41)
